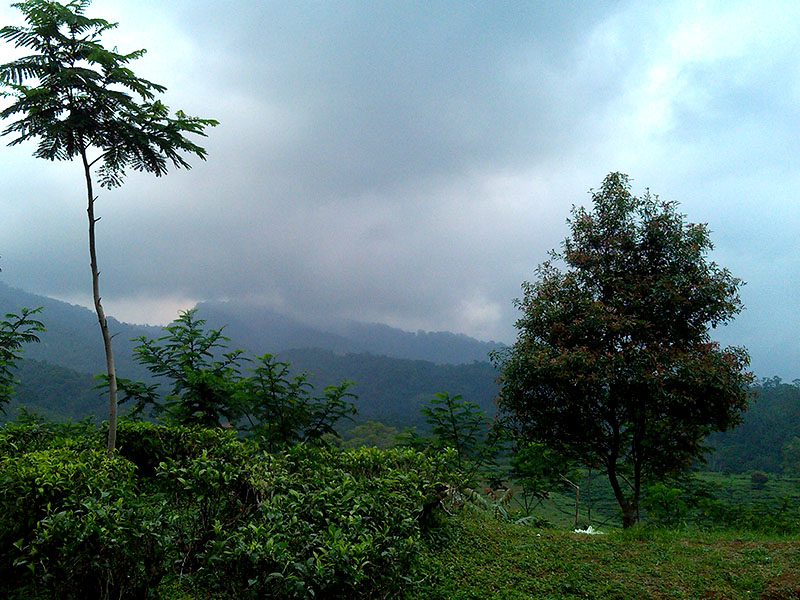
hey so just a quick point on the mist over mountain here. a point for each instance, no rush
(72, 337)
(260, 330)
(393, 371)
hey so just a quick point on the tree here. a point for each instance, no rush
(372, 434)
(206, 387)
(535, 470)
(791, 457)
(15, 330)
(613, 364)
(461, 425)
(86, 103)
(279, 408)
(202, 377)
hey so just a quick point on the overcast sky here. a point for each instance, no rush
(412, 162)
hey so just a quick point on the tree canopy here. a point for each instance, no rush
(614, 365)
(85, 96)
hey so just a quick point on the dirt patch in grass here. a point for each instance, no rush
(784, 587)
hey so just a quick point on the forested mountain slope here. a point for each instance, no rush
(72, 337)
(772, 419)
(56, 374)
(260, 330)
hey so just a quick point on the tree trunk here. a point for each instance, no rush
(101, 316)
(629, 516)
(630, 509)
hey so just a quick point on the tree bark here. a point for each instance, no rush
(98, 307)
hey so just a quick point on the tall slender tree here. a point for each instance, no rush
(83, 101)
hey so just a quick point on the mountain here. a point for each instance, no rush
(260, 330)
(72, 337)
(392, 390)
(772, 419)
(55, 392)
(386, 365)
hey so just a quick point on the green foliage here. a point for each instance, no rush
(791, 457)
(461, 425)
(202, 386)
(15, 330)
(354, 536)
(710, 500)
(192, 512)
(73, 526)
(281, 410)
(31, 432)
(53, 391)
(86, 96)
(147, 445)
(614, 365)
(772, 419)
(373, 434)
(665, 505)
(207, 388)
(535, 470)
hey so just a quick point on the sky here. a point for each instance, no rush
(411, 163)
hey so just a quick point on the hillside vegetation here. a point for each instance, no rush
(192, 513)
(196, 513)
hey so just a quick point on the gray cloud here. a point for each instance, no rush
(413, 162)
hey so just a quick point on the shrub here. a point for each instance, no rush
(332, 525)
(31, 432)
(665, 505)
(147, 445)
(71, 526)
(184, 510)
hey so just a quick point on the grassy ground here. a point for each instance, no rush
(484, 558)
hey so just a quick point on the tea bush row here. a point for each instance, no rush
(198, 513)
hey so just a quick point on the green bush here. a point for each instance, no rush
(331, 525)
(665, 505)
(147, 445)
(191, 512)
(72, 526)
(31, 432)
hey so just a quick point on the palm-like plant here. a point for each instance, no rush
(84, 102)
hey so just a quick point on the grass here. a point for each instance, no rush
(484, 558)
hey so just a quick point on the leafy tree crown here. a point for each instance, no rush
(614, 364)
(85, 96)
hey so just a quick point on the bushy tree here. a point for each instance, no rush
(85, 103)
(279, 408)
(201, 376)
(372, 434)
(461, 425)
(536, 470)
(614, 364)
(201, 382)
